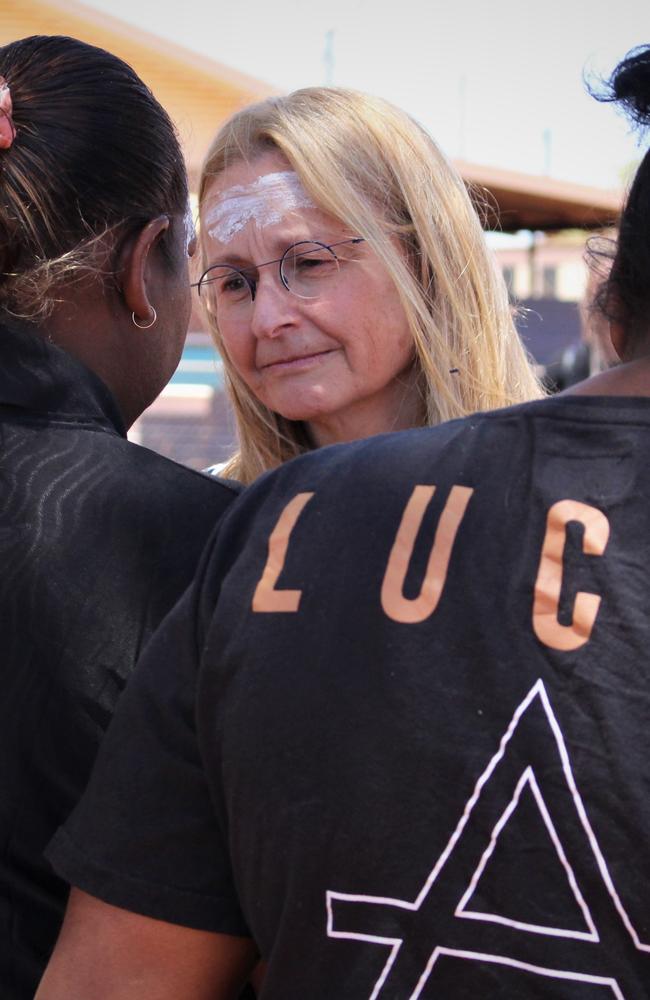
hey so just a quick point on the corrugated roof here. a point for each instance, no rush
(527, 201)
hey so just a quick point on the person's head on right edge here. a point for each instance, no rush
(624, 296)
(379, 268)
(93, 214)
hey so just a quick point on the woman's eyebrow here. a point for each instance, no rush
(232, 258)
(276, 247)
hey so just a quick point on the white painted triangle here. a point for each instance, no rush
(336, 902)
(528, 779)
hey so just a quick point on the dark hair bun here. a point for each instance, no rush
(94, 153)
(624, 296)
(629, 86)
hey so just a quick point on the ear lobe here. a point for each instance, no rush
(135, 263)
(618, 338)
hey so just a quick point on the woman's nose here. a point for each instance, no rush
(274, 308)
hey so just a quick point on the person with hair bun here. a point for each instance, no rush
(402, 718)
(624, 295)
(98, 537)
(346, 279)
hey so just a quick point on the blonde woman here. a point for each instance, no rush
(346, 279)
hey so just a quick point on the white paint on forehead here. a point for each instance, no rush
(190, 228)
(263, 202)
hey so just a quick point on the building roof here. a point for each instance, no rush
(199, 93)
(515, 201)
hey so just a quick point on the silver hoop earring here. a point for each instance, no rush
(145, 326)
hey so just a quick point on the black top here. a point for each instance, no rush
(98, 538)
(412, 755)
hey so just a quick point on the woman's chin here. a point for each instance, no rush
(303, 410)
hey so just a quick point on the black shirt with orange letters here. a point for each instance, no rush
(398, 731)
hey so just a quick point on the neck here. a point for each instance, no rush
(403, 411)
(96, 329)
(632, 378)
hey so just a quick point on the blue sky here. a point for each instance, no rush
(497, 81)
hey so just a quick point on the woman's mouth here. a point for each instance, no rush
(297, 362)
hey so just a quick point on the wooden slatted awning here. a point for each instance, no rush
(509, 201)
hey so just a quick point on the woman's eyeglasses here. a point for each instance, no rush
(307, 269)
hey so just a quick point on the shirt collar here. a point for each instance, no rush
(41, 378)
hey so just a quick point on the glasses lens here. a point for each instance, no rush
(308, 269)
(224, 289)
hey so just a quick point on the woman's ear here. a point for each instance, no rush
(618, 338)
(134, 263)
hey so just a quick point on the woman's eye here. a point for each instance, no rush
(309, 262)
(230, 284)
(234, 284)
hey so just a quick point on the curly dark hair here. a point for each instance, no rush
(624, 294)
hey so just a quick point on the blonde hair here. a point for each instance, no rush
(373, 168)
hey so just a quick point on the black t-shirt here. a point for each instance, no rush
(98, 539)
(399, 730)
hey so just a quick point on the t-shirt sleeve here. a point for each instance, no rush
(145, 836)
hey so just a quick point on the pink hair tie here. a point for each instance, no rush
(7, 128)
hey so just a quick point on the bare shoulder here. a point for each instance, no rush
(629, 379)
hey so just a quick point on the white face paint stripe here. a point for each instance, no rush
(190, 228)
(263, 202)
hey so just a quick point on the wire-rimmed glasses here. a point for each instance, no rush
(307, 269)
